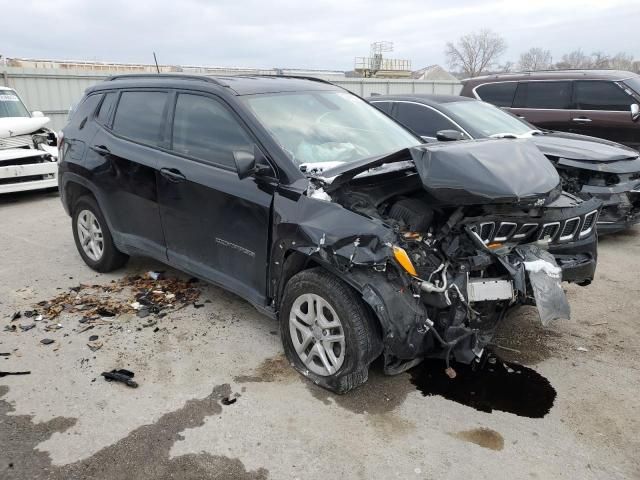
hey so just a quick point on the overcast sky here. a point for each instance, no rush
(304, 34)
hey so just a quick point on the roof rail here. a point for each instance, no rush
(178, 76)
(300, 77)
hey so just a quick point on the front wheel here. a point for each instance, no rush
(328, 333)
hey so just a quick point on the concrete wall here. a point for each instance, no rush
(53, 91)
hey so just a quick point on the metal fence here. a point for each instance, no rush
(54, 90)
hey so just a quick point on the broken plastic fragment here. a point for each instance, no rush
(540, 265)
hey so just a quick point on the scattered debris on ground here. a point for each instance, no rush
(121, 375)
(4, 374)
(46, 341)
(229, 401)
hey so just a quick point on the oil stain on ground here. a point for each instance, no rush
(144, 453)
(272, 369)
(492, 385)
(484, 437)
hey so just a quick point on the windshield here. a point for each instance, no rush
(633, 83)
(485, 120)
(328, 127)
(11, 105)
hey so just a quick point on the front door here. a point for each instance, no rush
(216, 225)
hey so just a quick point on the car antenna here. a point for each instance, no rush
(156, 60)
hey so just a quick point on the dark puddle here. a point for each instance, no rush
(143, 453)
(491, 385)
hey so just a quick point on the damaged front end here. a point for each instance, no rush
(596, 168)
(442, 241)
(28, 150)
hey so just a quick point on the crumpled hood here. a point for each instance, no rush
(12, 126)
(486, 171)
(470, 172)
(582, 147)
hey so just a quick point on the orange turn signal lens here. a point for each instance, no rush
(493, 246)
(404, 260)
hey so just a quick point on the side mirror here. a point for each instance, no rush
(635, 112)
(252, 163)
(37, 114)
(449, 135)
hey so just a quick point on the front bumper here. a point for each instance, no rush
(577, 259)
(34, 176)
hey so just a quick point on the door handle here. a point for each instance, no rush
(172, 174)
(100, 149)
(581, 120)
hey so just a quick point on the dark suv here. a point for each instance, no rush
(600, 103)
(325, 213)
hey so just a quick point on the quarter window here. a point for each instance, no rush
(601, 96)
(203, 128)
(552, 95)
(500, 94)
(106, 106)
(422, 120)
(81, 113)
(139, 116)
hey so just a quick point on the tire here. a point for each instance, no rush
(362, 339)
(109, 257)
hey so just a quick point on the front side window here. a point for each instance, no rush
(422, 120)
(11, 105)
(601, 95)
(484, 120)
(551, 95)
(204, 129)
(328, 126)
(499, 94)
(139, 116)
(633, 83)
(384, 106)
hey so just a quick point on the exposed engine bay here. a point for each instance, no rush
(457, 269)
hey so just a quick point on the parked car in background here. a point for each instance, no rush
(589, 167)
(600, 103)
(28, 150)
(323, 212)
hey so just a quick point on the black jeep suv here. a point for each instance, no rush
(325, 213)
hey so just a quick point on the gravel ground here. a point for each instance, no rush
(217, 399)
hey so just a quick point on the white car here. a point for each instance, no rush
(28, 150)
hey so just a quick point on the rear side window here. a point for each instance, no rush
(552, 95)
(139, 116)
(204, 129)
(422, 120)
(384, 106)
(601, 96)
(500, 94)
(104, 112)
(81, 113)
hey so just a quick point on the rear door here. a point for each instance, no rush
(544, 103)
(121, 161)
(603, 109)
(216, 225)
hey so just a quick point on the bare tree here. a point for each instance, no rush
(622, 61)
(575, 59)
(475, 52)
(535, 59)
(600, 60)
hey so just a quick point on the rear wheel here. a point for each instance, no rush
(93, 238)
(327, 332)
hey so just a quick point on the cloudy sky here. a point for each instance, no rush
(305, 34)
